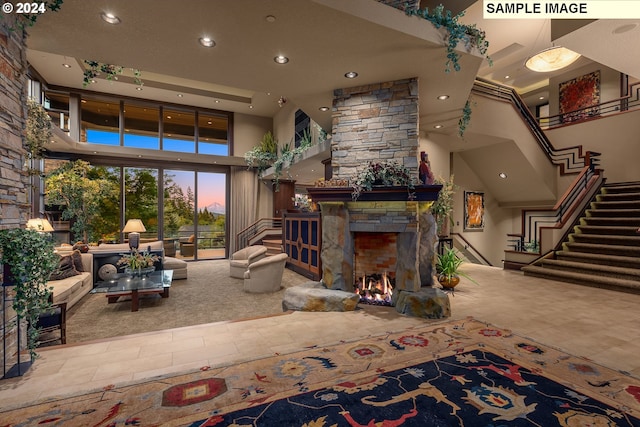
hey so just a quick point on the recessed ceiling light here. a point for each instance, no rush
(139, 88)
(66, 65)
(443, 97)
(323, 108)
(180, 95)
(281, 59)
(178, 159)
(250, 106)
(209, 122)
(139, 155)
(507, 77)
(542, 97)
(206, 42)
(217, 101)
(502, 175)
(94, 81)
(270, 18)
(110, 18)
(168, 117)
(438, 126)
(351, 75)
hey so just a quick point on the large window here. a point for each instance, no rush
(141, 126)
(185, 130)
(211, 220)
(179, 131)
(100, 122)
(141, 199)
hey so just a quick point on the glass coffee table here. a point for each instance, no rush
(122, 285)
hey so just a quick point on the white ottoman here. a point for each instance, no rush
(178, 266)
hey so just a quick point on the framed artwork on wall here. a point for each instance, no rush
(473, 210)
(579, 97)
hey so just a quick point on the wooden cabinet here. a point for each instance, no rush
(302, 237)
(283, 198)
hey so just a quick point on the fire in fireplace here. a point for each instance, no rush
(375, 289)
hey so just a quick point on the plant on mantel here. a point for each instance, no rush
(110, 71)
(385, 173)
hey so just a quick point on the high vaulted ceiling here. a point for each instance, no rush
(323, 39)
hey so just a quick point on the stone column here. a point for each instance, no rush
(427, 246)
(337, 247)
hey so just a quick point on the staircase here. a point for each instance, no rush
(274, 246)
(604, 249)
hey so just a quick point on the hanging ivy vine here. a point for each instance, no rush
(38, 132)
(110, 71)
(37, 9)
(470, 35)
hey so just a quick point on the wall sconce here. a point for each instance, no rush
(134, 227)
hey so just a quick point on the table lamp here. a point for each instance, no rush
(39, 224)
(134, 227)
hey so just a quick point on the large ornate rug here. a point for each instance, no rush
(462, 373)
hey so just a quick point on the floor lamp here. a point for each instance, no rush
(134, 227)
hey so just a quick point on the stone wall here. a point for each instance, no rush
(14, 180)
(377, 122)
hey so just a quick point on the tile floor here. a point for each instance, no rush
(599, 324)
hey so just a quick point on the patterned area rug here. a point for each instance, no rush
(462, 373)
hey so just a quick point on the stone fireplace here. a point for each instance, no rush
(379, 123)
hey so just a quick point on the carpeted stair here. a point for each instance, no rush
(604, 249)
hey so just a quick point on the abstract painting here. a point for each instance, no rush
(579, 97)
(473, 210)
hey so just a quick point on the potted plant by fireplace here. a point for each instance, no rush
(448, 269)
(442, 208)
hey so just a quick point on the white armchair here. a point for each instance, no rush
(240, 260)
(265, 275)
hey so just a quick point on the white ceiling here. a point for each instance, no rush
(323, 39)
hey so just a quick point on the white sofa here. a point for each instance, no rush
(240, 260)
(265, 275)
(72, 289)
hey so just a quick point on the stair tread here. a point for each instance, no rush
(600, 246)
(590, 256)
(611, 281)
(593, 267)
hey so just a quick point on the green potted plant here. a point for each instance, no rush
(448, 269)
(383, 173)
(442, 208)
(28, 259)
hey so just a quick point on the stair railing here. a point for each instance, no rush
(625, 103)
(243, 238)
(534, 220)
(571, 160)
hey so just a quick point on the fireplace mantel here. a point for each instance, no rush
(422, 193)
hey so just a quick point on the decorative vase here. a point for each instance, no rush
(139, 272)
(448, 282)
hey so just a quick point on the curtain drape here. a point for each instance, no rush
(244, 202)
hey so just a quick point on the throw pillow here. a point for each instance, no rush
(65, 269)
(77, 261)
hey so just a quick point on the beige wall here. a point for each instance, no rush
(248, 131)
(492, 241)
(616, 137)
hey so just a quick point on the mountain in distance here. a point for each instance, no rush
(216, 207)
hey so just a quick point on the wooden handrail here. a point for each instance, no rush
(262, 224)
(467, 243)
